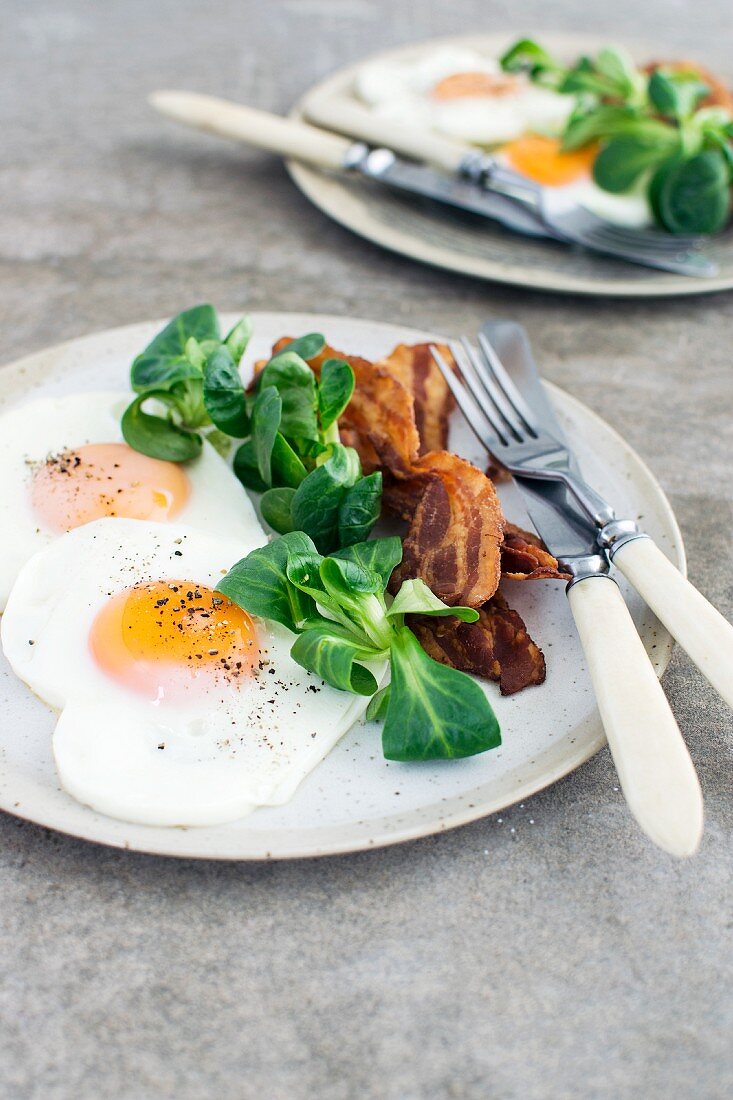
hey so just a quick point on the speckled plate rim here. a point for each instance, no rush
(338, 201)
(358, 836)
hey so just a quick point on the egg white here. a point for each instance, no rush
(630, 209)
(30, 432)
(228, 748)
(401, 91)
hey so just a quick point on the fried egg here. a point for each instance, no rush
(569, 174)
(63, 463)
(177, 707)
(462, 94)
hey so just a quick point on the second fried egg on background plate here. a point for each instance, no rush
(464, 95)
(570, 174)
(63, 463)
(176, 707)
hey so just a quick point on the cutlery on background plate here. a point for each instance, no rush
(565, 220)
(290, 138)
(458, 178)
(580, 528)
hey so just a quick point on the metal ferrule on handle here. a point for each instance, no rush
(486, 171)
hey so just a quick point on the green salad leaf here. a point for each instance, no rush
(433, 712)
(276, 506)
(624, 159)
(307, 347)
(246, 468)
(653, 133)
(266, 413)
(223, 393)
(337, 607)
(295, 382)
(259, 582)
(164, 360)
(676, 94)
(238, 338)
(415, 598)
(319, 497)
(322, 651)
(380, 556)
(158, 436)
(692, 195)
(287, 422)
(360, 509)
(335, 389)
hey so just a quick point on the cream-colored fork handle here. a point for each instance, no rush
(654, 767)
(701, 630)
(283, 136)
(348, 117)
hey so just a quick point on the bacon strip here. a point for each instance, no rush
(456, 523)
(454, 539)
(525, 558)
(413, 366)
(497, 646)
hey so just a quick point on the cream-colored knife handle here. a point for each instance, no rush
(283, 136)
(348, 117)
(701, 630)
(656, 773)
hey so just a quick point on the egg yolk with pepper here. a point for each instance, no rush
(158, 636)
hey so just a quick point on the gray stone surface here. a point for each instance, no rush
(547, 952)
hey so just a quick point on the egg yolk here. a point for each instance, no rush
(157, 637)
(541, 159)
(106, 479)
(472, 84)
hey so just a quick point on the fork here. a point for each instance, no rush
(512, 431)
(577, 224)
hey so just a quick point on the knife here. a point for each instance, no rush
(654, 767)
(291, 138)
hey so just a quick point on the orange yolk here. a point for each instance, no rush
(470, 85)
(542, 160)
(106, 479)
(156, 637)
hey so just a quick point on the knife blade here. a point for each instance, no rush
(419, 179)
(565, 530)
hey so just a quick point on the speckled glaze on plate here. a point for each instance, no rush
(355, 799)
(471, 245)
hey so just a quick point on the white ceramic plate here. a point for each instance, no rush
(355, 799)
(475, 246)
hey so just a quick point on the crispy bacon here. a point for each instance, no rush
(523, 555)
(497, 646)
(413, 366)
(455, 532)
(525, 558)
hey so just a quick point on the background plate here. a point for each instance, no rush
(356, 799)
(475, 246)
